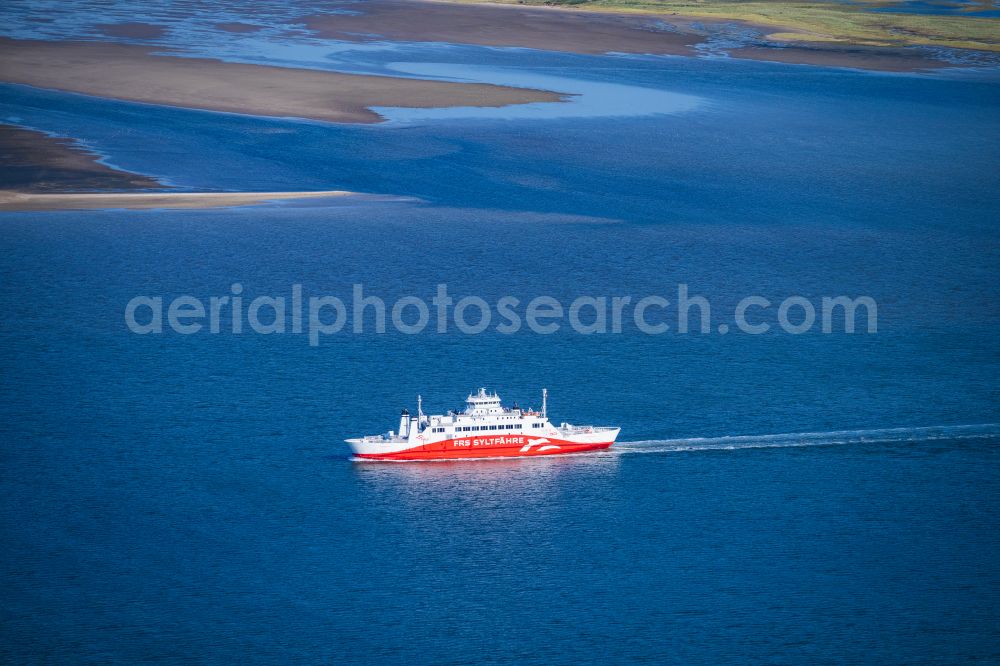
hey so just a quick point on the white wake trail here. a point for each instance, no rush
(873, 436)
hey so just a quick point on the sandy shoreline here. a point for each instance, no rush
(871, 58)
(12, 201)
(133, 73)
(546, 28)
(36, 162)
(590, 30)
(43, 173)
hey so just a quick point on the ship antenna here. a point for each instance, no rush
(545, 395)
(420, 410)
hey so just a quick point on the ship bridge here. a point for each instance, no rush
(483, 404)
(484, 414)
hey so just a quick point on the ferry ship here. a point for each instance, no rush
(484, 429)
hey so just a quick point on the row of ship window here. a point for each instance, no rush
(508, 426)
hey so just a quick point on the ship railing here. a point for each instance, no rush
(575, 429)
(381, 439)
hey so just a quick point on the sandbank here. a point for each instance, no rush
(11, 200)
(36, 162)
(134, 73)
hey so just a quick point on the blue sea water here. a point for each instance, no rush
(814, 498)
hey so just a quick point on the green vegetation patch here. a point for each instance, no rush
(820, 21)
